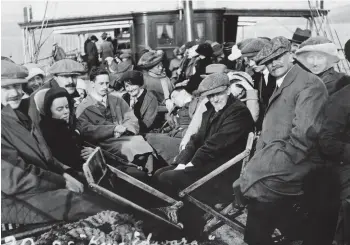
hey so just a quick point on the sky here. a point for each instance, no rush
(12, 12)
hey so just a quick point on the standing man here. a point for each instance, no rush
(284, 155)
(35, 187)
(299, 36)
(65, 74)
(91, 52)
(106, 48)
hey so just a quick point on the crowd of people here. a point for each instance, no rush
(170, 122)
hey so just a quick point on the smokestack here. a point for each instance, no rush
(322, 4)
(188, 12)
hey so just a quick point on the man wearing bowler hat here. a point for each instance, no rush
(299, 36)
(35, 187)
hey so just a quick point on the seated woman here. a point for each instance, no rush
(168, 141)
(58, 126)
(143, 102)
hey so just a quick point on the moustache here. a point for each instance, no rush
(15, 98)
(71, 85)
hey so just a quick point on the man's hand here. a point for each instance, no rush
(180, 167)
(86, 152)
(72, 184)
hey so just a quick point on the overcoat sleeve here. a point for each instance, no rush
(335, 124)
(309, 112)
(21, 177)
(94, 132)
(151, 111)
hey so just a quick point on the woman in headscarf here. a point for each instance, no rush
(58, 126)
(143, 102)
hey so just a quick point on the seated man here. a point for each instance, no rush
(108, 121)
(34, 185)
(222, 135)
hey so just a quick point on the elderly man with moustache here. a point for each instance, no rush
(286, 151)
(65, 73)
(35, 187)
(222, 135)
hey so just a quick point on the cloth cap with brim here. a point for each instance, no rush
(212, 84)
(253, 47)
(244, 42)
(214, 68)
(276, 47)
(205, 49)
(150, 59)
(328, 49)
(218, 49)
(12, 73)
(300, 35)
(235, 53)
(240, 76)
(67, 67)
(34, 72)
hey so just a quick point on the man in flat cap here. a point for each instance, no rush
(222, 135)
(286, 150)
(35, 186)
(65, 74)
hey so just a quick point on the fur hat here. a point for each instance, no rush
(273, 49)
(253, 47)
(214, 83)
(150, 59)
(205, 49)
(12, 73)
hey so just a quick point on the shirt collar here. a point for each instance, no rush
(279, 81)
(99, 98)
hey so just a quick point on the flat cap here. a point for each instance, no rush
(214, 68)
(218, 49)
(276, 47)
(212, 84)
(252, 48)
(66, 67)
(12, 73)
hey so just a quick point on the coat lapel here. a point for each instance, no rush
(286, 82)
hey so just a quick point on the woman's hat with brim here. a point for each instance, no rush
(212, 84)
(235, 53)
(67, 67)
(12, 73)
(35, 71)
(300, 35)
(150, 59)
(205, 49)
(328, 49)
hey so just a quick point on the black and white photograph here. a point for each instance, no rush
(175, 122)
